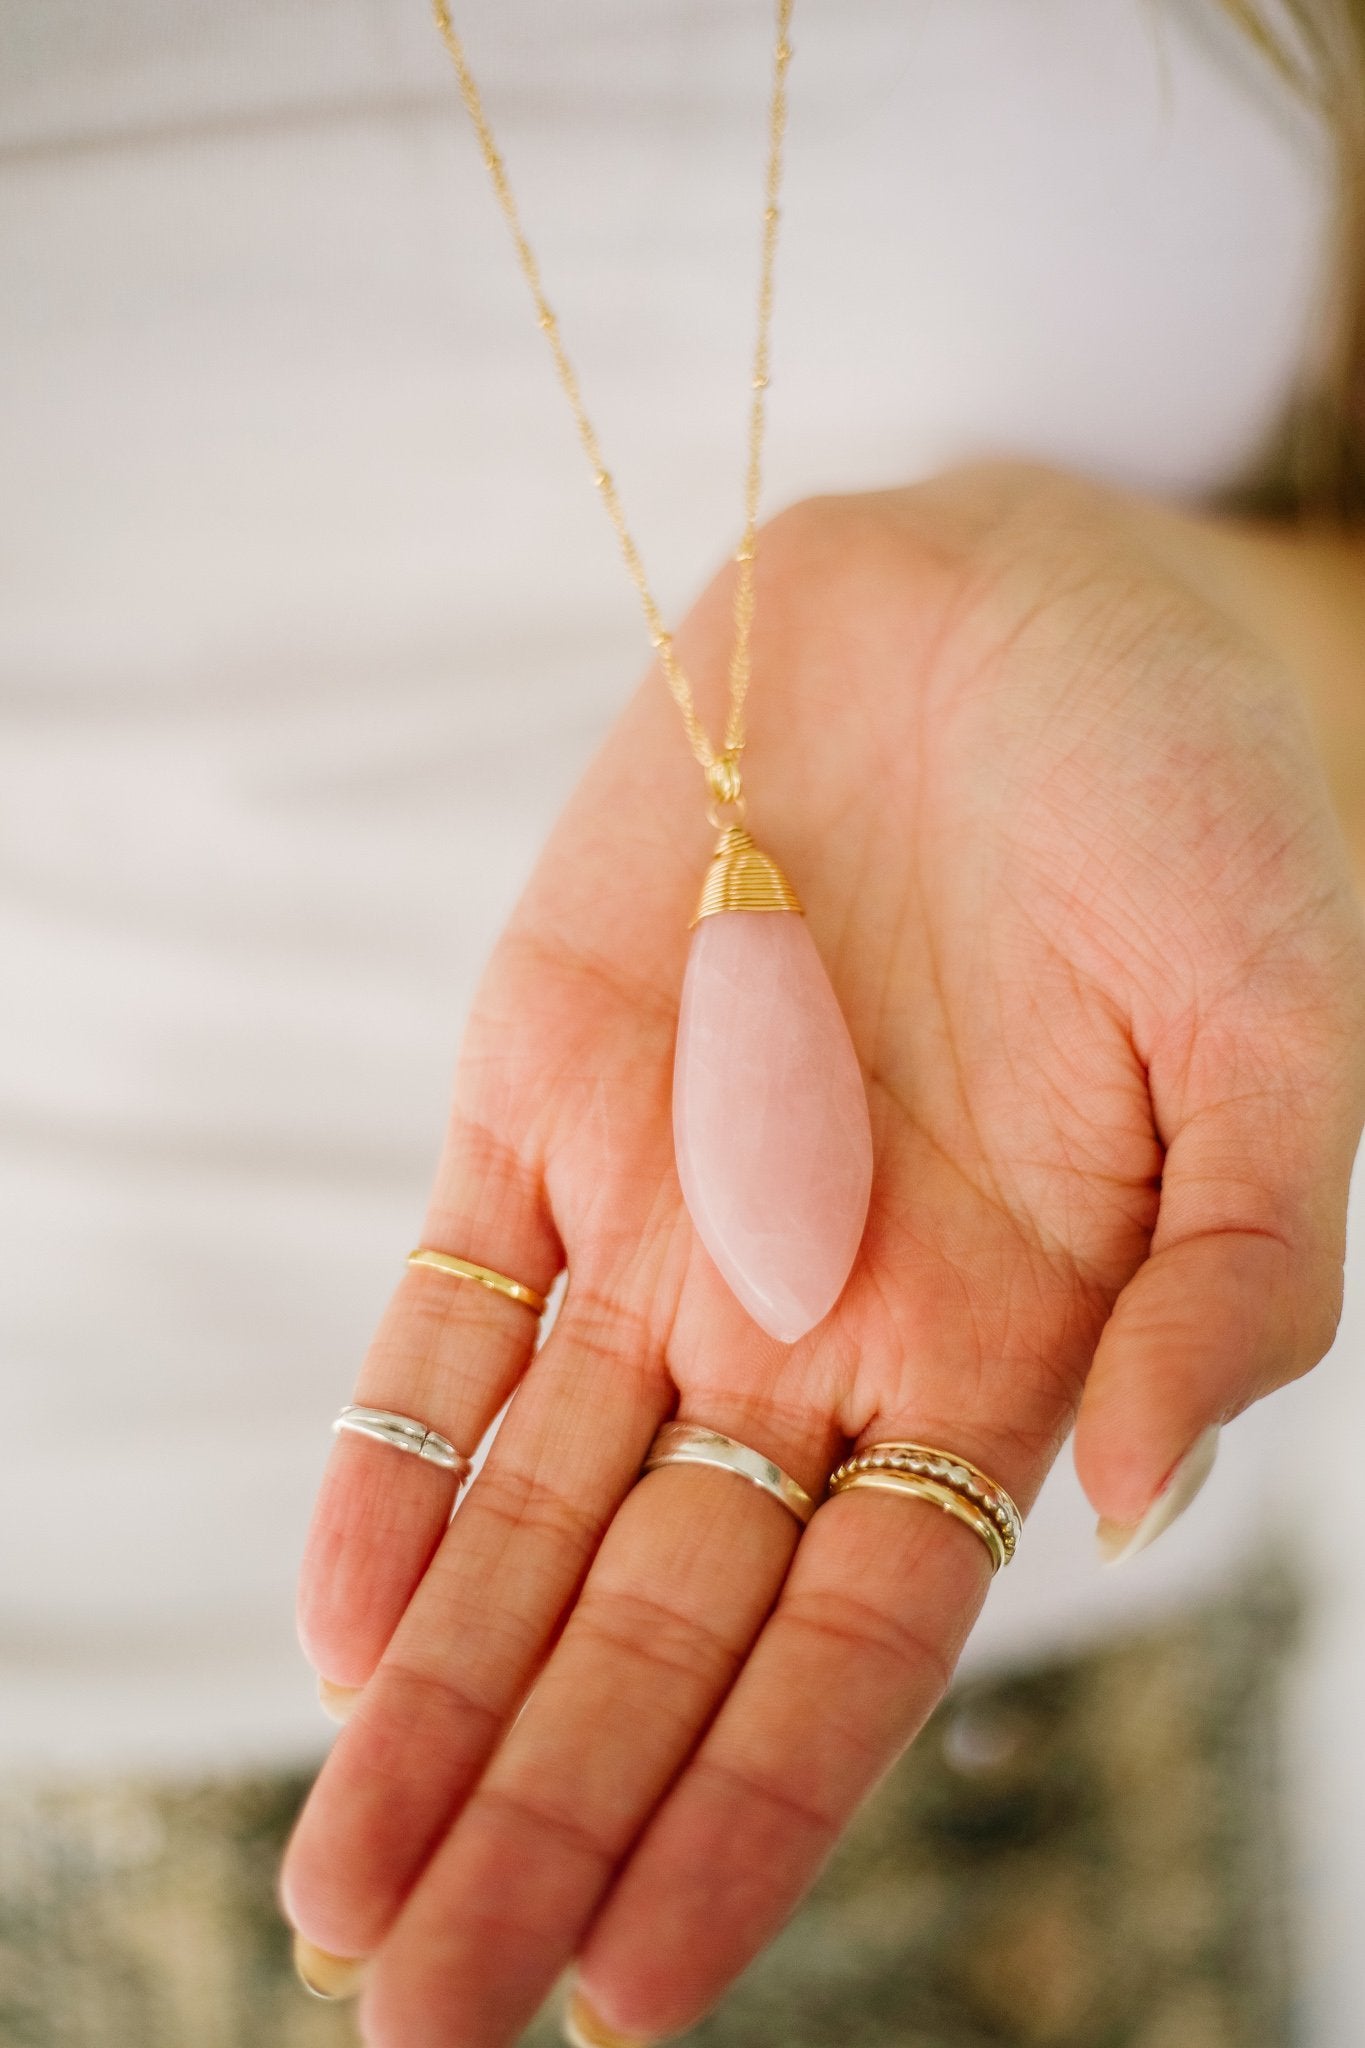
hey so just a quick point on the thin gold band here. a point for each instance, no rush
(465, 1269)
(937, 1496)
(960, 1489)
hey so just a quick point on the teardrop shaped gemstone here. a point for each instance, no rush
(770, 1120)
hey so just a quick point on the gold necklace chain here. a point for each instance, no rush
(721, 766)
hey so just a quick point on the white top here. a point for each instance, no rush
(309, 623)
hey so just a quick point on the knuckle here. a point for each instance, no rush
(596, 1323)
(744, 1785)
(490, 1165)
(489, 1189)
(862, 1630)
(652, 1632)
(413, 1695)
(527, 1504)
(513, 1809)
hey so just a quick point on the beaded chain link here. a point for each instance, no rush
(720, 765)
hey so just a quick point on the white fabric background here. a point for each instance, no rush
(307, 624)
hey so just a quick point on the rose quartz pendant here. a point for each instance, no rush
(770, 1118)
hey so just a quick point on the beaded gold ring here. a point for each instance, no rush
(960, 1489)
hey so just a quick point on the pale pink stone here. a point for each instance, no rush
(770, 1118)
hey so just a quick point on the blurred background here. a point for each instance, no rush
(307, 628)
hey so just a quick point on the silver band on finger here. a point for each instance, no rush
(404, 1434)
(687, 1443)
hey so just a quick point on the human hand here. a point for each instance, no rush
(1066, 853)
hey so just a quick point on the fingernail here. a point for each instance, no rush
(337, 1701)
(327, 1976)
(1118, 1541)
(583, 2029)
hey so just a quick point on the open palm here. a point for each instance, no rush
(1065, 853)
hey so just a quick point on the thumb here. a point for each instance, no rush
(1240, 1294)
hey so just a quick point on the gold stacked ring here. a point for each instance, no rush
(465, 1269)
(921, 1472)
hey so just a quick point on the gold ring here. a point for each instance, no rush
(687, 1443)
(944, 1480)
(465, 1269)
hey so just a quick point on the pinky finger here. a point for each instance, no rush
(447, 1353)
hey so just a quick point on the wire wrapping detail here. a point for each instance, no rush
(742, 877)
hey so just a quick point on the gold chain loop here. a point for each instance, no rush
(724, 761)
(723, 778)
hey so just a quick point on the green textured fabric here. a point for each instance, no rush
(1085, 1855)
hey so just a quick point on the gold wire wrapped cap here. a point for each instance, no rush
(741, 877)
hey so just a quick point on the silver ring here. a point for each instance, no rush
(404, 1434)
(686, 1443)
